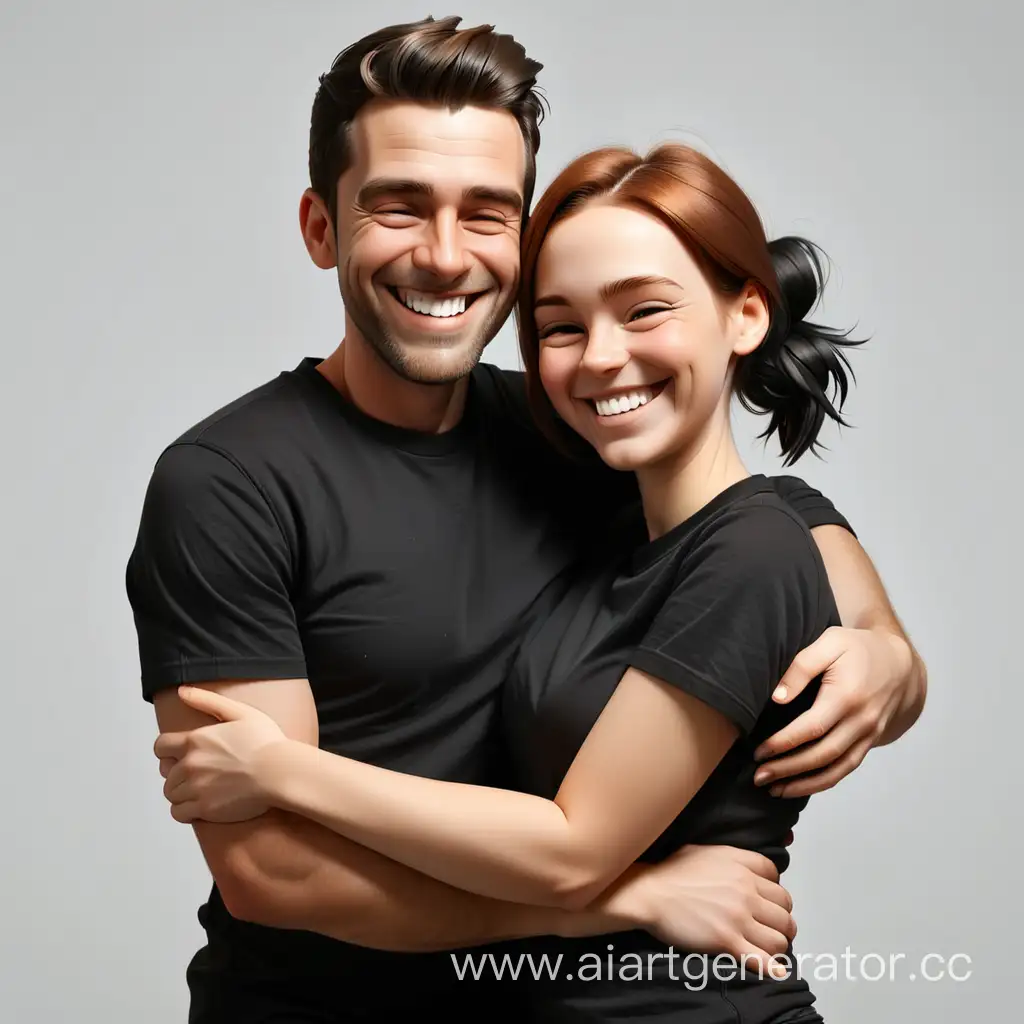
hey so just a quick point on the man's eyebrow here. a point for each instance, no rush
(501, 196)
(377, 187)
(611, 290)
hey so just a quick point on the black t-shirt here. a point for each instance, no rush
(719, 606)
(290, 535)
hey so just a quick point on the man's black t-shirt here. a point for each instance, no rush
(289, 535)
(719, 606)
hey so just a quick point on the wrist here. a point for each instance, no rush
(625, 905)
(276, 766)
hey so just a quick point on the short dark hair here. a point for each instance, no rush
(425, 61)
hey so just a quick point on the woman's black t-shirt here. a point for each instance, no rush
(719, 606)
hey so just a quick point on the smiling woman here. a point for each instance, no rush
(638, 346)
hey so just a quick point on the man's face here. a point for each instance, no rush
(429, 217)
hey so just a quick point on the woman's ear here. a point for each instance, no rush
(751, 319)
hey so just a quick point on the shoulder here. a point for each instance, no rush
(755, 537)
(251, 443)
(248, 421)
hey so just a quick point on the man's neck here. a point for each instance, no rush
(362, 377)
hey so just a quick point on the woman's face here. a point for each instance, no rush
(636, 348)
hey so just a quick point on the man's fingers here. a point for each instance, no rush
(767, 938)
(166, 764)
(808, 665)
(171, 745)
(755, 862)
(814, 724)
(176, 778)
(775, 893)
(814, 757)
(772, 916)
(820, 781)
(761, 964)
(184, 812)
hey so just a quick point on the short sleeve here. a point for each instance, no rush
(747, 599)
(810, 505)
(208, 578)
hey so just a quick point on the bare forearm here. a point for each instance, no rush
(299, 875)
(916, 692)
(494, 842)
(863, 604)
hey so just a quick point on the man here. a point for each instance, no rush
(354, 547)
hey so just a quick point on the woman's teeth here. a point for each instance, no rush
(625, 402)
(420, 303)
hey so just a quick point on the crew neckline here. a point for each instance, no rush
(646, 555)
(415, 442)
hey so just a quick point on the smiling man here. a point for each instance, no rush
(355, 546)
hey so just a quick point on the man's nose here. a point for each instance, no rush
(442, 252)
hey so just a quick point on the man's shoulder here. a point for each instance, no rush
(245, 420)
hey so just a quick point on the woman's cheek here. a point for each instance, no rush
(557, 370)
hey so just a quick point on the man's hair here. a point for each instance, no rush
(426, 61)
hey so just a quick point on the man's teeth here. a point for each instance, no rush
(624, 402)
(421, 303)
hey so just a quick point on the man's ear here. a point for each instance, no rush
(752, 319)
(317, 230)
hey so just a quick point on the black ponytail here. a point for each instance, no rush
(790, 374)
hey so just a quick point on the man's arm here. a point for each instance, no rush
(287, 872)
(863, 604)
(873, 681)
(210, 582)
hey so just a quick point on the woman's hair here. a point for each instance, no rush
(790, 374)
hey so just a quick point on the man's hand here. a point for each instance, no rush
(710, 899)
(867, 675)
(213, 773)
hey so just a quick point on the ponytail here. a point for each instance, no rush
(790, 374)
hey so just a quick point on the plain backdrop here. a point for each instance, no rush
(153, 155)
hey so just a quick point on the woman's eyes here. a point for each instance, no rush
(554, 330)
(646, 311)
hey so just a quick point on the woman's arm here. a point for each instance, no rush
(617, 797)
(749, 600)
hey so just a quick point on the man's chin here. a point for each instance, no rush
(432, 360)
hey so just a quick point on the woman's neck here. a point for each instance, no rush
(675, 488)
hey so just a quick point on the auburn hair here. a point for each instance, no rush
(791, 373)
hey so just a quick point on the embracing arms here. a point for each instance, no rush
(651, 749)
(210, 584)
(286, 871)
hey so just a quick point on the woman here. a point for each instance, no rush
(650, 296)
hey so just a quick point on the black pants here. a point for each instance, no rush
(220, 995)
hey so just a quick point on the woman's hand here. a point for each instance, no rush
(712, 900)
(214, 773)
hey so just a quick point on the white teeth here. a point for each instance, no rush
(433, 307)
(623, 403)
